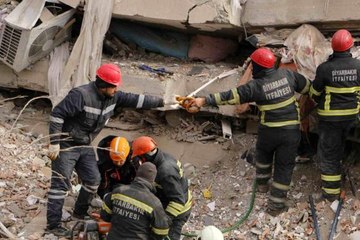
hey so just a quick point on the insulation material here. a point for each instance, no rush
(273, 37)
(355, 51)
(308, 48)
(57, 87)
(86, 55)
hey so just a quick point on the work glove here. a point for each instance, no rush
(188, 103)
(54, 150)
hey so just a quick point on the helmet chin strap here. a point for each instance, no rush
(257, 68)
(149, 156)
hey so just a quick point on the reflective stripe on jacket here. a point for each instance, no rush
(336, 88)
(135, 212)
(273, 91)
(171, 184)
(84, 112)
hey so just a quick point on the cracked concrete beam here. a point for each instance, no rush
(161, 10)
(224, 15)
(204, 12)
(293, 12)
(205, 15)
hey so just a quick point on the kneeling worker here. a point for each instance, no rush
(171, 184)
(134, 211)
(115, 163)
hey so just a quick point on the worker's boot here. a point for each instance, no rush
(59, 231)
(262, 188)
(319, 197)
(330, 197)
(275, 209)
(76, 216)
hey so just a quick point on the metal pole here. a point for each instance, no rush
(314, 217)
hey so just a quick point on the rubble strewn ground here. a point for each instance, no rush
(24, 178)
(222, 188)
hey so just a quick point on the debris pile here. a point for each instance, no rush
(222, 192)
(24, 179)
(222, 196)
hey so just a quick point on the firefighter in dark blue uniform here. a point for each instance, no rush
(134, 211)
(336, 89)
(74, 123)
(171, 184)
(278, 133)
(115, 163)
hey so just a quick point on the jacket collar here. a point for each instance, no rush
(345, 54)
(142, 182)
(93, 86)
(265, 72)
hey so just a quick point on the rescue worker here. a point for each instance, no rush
(134, 211)
(171, 184)
(81, 115)
(115, 163)
(336, 90)
(278, 132)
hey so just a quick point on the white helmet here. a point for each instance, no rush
(211, 233)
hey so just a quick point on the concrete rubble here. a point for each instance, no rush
(222, 190)
(24, 178)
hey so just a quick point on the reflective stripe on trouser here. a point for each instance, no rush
(87, 193)
(278, 145)
(331, 148)
(177, 225)
(263, 171)
(62, 168)
(89, 174)
(331, 184)
(278, 194)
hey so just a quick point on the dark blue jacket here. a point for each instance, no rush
(274, 94)
(337, 88)
(84, 112)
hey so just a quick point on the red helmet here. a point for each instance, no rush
(143, 145)
(342, 41)
(263, 57)
(109, 73)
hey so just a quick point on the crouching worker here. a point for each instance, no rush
(115, 163)
(171, 184)
(134, 211)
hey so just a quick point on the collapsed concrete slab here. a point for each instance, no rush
(193, 15)
(201, 15)
(231, 16)
(324, 14)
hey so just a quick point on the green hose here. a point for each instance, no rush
(241, 220)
